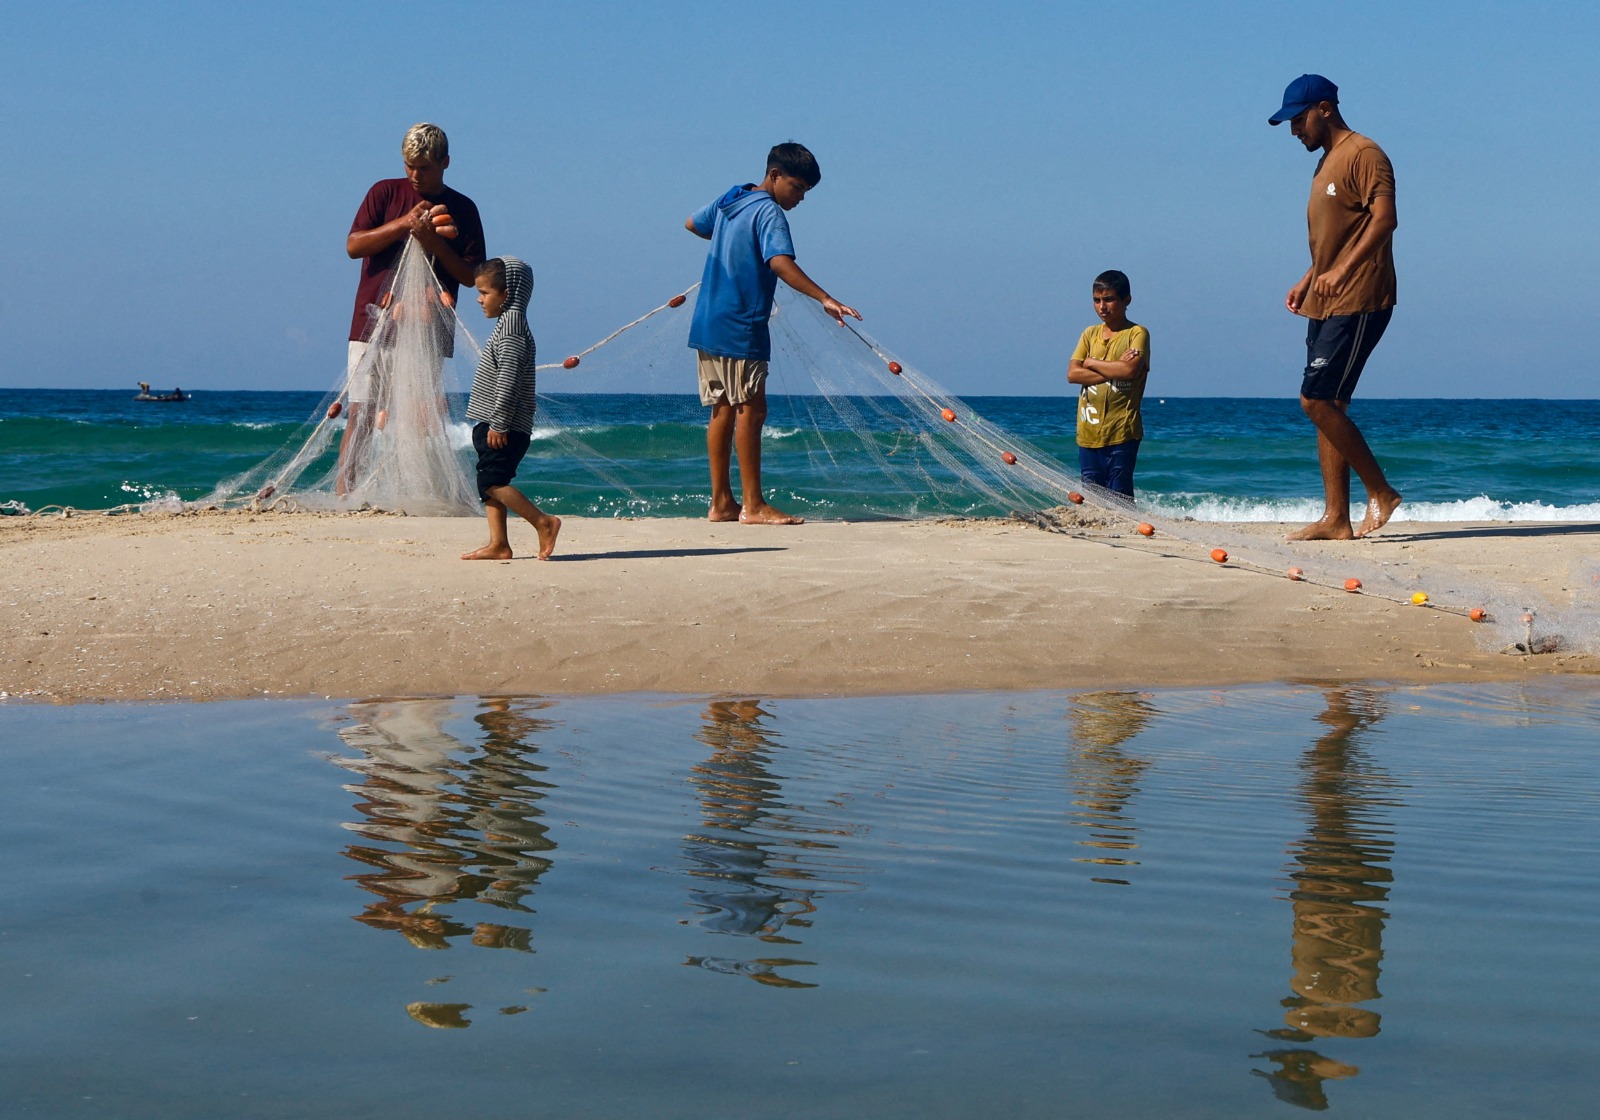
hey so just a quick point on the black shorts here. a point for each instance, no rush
(497, 466)
(1337, 349)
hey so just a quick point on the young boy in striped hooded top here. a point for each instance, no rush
(502, 403)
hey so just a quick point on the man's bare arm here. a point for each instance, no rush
(1383, 224)
(366, 242)
(413, 223)
(690, 226)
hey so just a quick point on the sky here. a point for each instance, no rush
(182, 177)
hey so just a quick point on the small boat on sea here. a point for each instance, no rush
(145, 394)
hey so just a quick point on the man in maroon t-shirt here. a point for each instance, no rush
(394, 210)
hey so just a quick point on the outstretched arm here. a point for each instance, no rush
(794, 276)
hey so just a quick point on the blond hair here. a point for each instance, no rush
(425, 141)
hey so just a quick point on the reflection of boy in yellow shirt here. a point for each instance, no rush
(1111, 363)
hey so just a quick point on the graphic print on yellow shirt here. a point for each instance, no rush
(1108, 413)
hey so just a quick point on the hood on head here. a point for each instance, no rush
(519, 284)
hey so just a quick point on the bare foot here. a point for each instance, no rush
(729, 512)
(1324, 530)
(547, 539)
(488, 552)
(764, 514)
(1379, 510)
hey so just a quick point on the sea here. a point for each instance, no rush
(1354, 897)
(1211, 459)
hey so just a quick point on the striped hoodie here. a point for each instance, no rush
(503, 388)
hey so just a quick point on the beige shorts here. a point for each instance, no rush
(358, 374)
(730, 380)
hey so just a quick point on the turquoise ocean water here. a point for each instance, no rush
(1212, 458)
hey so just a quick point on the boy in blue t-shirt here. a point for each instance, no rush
(750, 251)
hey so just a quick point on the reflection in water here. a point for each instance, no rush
(1340, 874)
(759, 861)
(1106, 777)
(449, 825)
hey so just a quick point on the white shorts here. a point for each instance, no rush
(358, 377)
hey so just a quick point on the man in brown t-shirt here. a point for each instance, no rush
(1348, 293)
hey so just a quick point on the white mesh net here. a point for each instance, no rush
(387, 439)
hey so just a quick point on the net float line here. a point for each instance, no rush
(1006, 454)
(1222, 557)
(572, 361)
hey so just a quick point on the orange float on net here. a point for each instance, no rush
(1008, 458)
(570, 363)
(1219, 555)
(676, 301)
(1074, 497)
(1146, 529)
(1296, 574)
(894, 367)
(948, 415)
(1352, 584)
(447, 299)
(1477, 614)
(334, 409)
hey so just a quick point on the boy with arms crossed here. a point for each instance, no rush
(1111, 363)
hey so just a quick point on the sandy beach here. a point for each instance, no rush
(219, 605)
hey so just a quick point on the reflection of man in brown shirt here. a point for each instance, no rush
(1348, 293)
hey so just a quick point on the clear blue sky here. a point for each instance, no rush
(182, 176)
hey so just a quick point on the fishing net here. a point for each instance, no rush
(855, 430)
(392, 437)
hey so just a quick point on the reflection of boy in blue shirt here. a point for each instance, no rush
(750, 250)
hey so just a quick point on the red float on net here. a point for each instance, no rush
(570, 363)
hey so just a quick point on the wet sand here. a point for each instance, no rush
(215, 605)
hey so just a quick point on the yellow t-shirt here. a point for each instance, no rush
(1108, 413)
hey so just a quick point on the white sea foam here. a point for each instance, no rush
(153, 499)
(1213, 507)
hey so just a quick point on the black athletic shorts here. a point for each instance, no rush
(497, 466)
(1337, 349)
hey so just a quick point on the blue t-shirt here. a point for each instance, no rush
(747, 230)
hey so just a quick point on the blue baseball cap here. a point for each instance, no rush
(1304, 92)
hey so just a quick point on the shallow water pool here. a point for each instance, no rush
(1228, 902)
